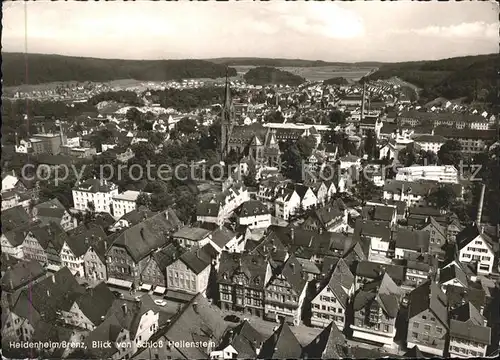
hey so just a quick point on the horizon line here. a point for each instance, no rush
(229, 58)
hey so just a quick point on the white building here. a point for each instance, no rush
(98, 192)
(430, 142)
(442, 174)
(476, 246)
(125, 202)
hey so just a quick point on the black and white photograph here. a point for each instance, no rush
(250, 180)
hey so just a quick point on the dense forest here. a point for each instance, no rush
(44, 68)
(286, 62)
(473, 77)
(336, 81)
(122, 96)
(268, 75)
(191, 98)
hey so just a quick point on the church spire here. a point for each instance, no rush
(227, 117)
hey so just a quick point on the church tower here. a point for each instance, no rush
(227, 120)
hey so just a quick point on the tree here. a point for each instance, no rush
(337, 117)
(443, 197)
(291, 163)
(143, 199)
(306, 145)
(186, 126)
(365, 189)
(249, 178)
(428, 158)
(450, 153)
(408, 156)
(370, 144)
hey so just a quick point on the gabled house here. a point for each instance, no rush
(282, 344)
(469, 334)
(285, 291)
(287, 203)
(376, 307)
(329, 344)
(241, 279)
(253, 214)
(437, 234)
(307, 197)
(129, 251)
(331, 302)
(199, 321)
(223, 239)
(132, 218)
(331, 217)
(476, 247)
(126, 322)
(190, 272)
(428, 319)
(94, 258)
(188, 236)
(54, 211)
(88, 310)
(380, 236)
(239, 342)
(410, 242)
(44, 243)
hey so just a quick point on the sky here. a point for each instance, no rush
(330, 31)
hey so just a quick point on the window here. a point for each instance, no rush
(415, 335)
(439, 330)
(427, 327)
(424, 317)
(415, 325)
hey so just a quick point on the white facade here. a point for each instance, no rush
(480, 251)
(326, 308)
(102, 200)
(73, 263)
(255, 221)
(287, 205)
(9, 249)
(124, 203)
(309, 200)
(443, 174)
(430, 145)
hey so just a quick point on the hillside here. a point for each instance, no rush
(286, 62)
(264, 75)
(336, 81)
(50, 68)
(449, 78)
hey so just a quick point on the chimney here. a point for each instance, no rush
(54, 279)
(142, 232)
(292, 234)
(43, 128)
(292, 265)
(124, 308)
(480, 206)
(17, 139)
(48, 292)
(166, 214)
(11, 284)
(195, 307)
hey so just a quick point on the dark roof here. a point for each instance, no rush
(453, 272)
(252, 208)
(373, 270)
(293, 273)
(196, 259)
(57, 292)
(51, 233)
(149, 235)
(13, 218)
(412, 240)
(191, 233)
(221, 236)
(94, 186)
(51, 210)
(327, 345)
(252, 265)
(167, 255)
(428, 296)
(373, 229)
(457, 295)
(21, 274)
(414, 353)
(282, 344)
(96, 303)
(244, 339)
(468, 234)
(384, 291)
(467, 323)
(198, 321)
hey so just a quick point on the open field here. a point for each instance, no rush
(319, 73)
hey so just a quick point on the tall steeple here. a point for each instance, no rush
(227, 118)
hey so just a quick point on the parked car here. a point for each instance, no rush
(118, 294)
(160, 302)
(232, 318)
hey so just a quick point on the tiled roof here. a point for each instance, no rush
(13, 218)
(327, 345)
(282, 344)
(412, 240)
(428, 296)
(244, 338)
(21, 274)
